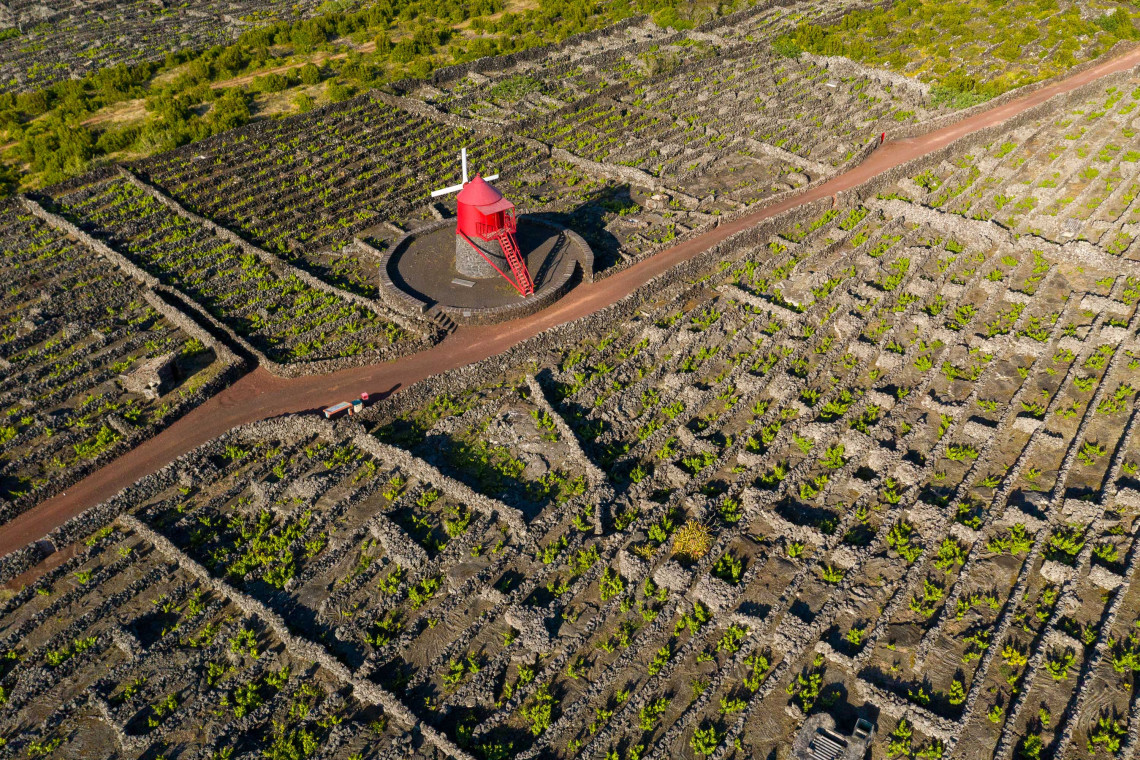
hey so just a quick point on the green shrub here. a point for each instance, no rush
(786, 46)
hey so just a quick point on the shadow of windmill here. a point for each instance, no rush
(588, 219)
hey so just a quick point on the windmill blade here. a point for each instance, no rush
(446, 191)
(491, 177)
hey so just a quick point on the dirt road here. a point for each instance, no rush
(260, 395)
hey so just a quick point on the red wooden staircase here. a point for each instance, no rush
(518, 267)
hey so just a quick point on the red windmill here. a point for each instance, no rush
(485, 242)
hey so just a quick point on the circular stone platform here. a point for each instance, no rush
(419, 273)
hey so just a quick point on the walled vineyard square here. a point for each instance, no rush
(73, 323)
(56, 41)
(854, 477)
(600, 138)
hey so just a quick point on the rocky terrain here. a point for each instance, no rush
(48, 42)
(871, 459)
(78, 336)
(874, 457)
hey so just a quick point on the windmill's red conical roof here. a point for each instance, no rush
(478, 193)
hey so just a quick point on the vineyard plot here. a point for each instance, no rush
(845, 471)
(303, 186)
(78, 337)
(287, 319)
(875, 461)
(60, 41)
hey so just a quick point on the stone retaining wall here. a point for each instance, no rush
(982, 136)
(567, 334)
(192, 328)
(983, 234)
(431, 113)
(630, 174)
(593, 324)
(79, 471)
(598, 323)
(859, 157)
(604, 59)
(90, 520)
(914, 130)
(303, 649)
(562, 281)
(627, 174)
(237, 343)
(498, 62)
(275, 263)
(234, 367)
(389, 292)
(538, 398)
(150, 281)
(289, 427)
(883, 76)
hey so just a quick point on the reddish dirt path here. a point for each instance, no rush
(259, 395)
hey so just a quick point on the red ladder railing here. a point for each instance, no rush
(515, 260)
(522, 282)
(490, 231)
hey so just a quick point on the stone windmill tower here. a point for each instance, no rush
(485, 244)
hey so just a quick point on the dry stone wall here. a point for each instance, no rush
(872, 457)
(75, 328)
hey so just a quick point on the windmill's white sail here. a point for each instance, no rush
(457, 188)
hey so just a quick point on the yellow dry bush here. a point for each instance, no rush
(693, 540)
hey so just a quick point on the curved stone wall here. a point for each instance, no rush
(560, 283)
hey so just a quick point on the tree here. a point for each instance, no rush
(310, 74)
(404, 51)
(230, 110)
(118, 82)
(56, 147)
(304, 102)
(115, 140)
(338, 93)
(307, 35)
(33, 103)
(229, 62)
(269, 83)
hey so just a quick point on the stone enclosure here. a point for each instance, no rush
(874, 457)
(907, 434)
